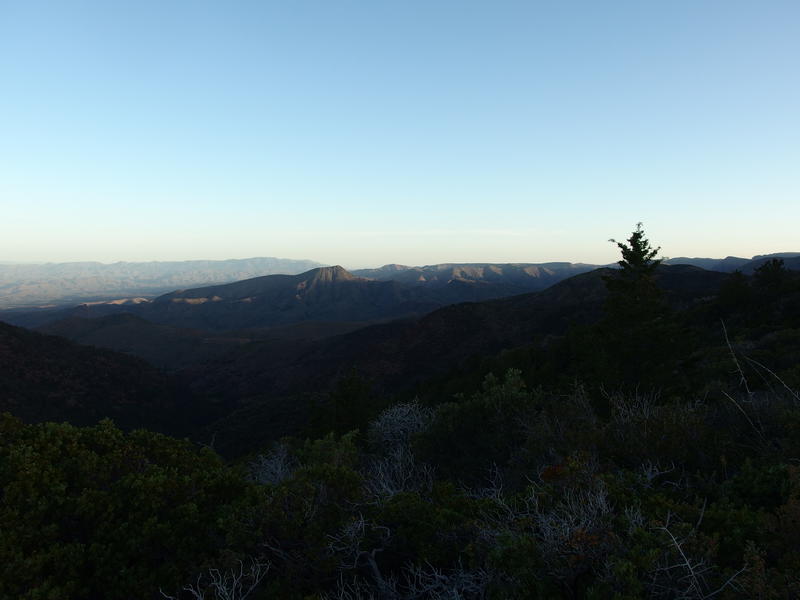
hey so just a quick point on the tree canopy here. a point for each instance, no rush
(638, 257)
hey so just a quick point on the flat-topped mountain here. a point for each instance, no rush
(324, 294)
(404, 353)
(265, 370)
(398, 352)
(527, 277)
(188, 326)
(260, 288)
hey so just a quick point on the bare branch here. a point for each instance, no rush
(742, 378)
(230, 584)
(274, 467)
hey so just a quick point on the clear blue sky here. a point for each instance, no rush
(369, 132)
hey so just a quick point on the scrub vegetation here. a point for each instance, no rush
(651, 453)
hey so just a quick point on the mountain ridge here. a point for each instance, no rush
(402, 354)
(60, 283)
(475, 327)
(321, 294)
(734, 263)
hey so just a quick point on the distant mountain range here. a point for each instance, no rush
(265, 379)
(734, 263)
(324, 294)
(527, 276)
(257, 347)
(258, 375)
(24, 286)
(188, 326)
(63, 283)
(399, 351)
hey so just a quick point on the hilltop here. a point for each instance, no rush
(324, 294)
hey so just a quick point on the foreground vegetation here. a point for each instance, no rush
(653, 454)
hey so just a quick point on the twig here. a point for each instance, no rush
(743, 379)
(793, 393)
(746, 416)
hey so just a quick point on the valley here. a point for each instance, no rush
(491, 371)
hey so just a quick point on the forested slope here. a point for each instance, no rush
(650, 451)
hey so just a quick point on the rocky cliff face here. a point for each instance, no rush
(324, 294)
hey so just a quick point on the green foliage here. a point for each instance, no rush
(616, 461)
(349, 406)
(638, 339)
(735, 294)
(633, 294)
(290, 521)
(772, 276)
(638, 257)
(96, 513)
(428, 530)
(471, 434)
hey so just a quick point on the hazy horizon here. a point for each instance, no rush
(613, 259)
(362, 134)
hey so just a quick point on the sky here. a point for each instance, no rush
(369, 132)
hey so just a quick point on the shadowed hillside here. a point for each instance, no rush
(402, 352)
(399, 355)
(47, 378)
(176, 347)
(534, 434)
(327, 294)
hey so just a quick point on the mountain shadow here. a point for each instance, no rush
(266, 379)
(327, 294)
(48, 378)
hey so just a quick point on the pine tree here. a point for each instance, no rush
(638, 257)
(639, 340)
(772, 276)
(633, 293)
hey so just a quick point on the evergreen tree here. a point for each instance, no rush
(735, 294)
(633, 293)
(350, 405)
(772, 276)
(640, 342)
(638, 257)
